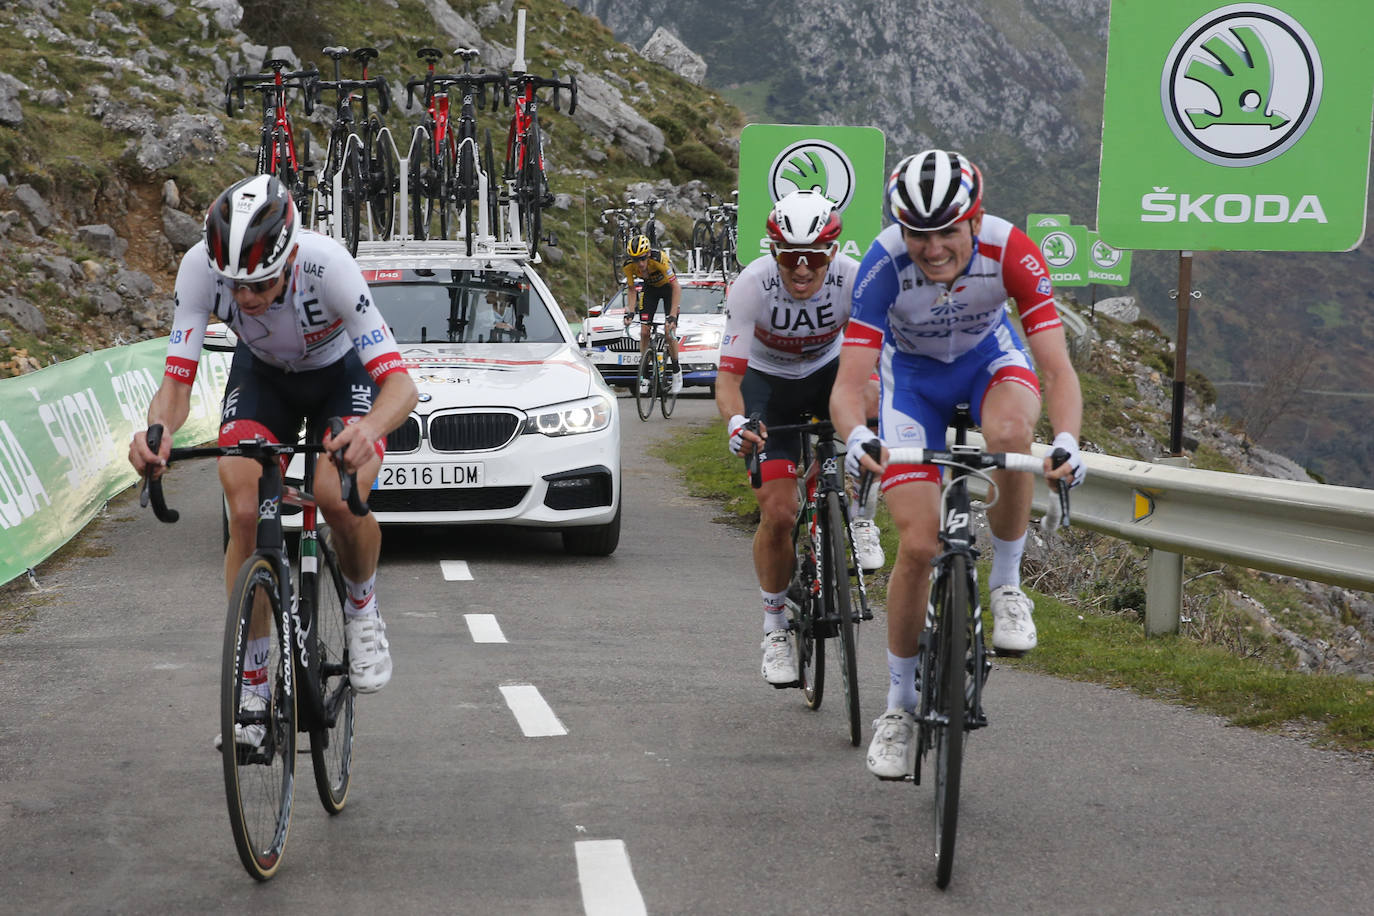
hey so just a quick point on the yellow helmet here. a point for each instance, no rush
(637, 246)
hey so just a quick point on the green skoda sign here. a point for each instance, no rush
(1107, 265)
(1239, 126)
(1066, 253)
(1034, 220)
(843, 163)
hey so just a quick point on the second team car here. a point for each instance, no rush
(614, 349)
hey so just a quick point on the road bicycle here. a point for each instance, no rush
(827, 597)
(277, 142)
(953, 661)
(350, 160)
(653, 379)
(470, 175)
(714, 237)
(431, 176)
(306, 662)
(524, 166)
(379, 154)
(629, 223)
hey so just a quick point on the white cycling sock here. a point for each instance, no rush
(773, 616)
(255, 660)
(362, 597)
(1006, 562)
(901, 689)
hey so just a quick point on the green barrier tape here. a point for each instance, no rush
(64, 434)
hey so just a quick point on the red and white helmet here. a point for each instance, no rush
(251, 228)
(804, 219)
(934, 189)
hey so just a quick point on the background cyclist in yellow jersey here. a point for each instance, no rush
(660, 283)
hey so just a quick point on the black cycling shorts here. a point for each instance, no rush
(649, 298)
(259, 395)
(784, 401)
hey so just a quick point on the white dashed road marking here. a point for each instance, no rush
(456, 570)
(608, 884)
(534, 715)
(484, 628)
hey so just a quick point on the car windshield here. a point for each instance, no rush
(696, 300)
(467, 306)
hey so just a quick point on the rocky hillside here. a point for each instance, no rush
(1019, 84)
(113, 139)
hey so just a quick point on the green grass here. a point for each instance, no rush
(1220, 665)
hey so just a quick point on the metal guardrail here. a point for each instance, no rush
(1307, 530)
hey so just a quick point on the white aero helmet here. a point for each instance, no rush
(804, 218)
(251, 228)
(934, 189)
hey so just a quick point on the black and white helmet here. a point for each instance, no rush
(804, 218)
(934, 189)
(251, 228)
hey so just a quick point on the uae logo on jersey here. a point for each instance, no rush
(813, 165)
(1241, 85)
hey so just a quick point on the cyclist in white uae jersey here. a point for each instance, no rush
(930, 310)
(311, 345)
(785, 316)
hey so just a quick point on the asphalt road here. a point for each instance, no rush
(682, 783)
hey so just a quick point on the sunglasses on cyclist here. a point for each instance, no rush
(792, 258)
(642, 259)
(257, 287)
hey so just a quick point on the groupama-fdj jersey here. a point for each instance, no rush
(325, 312)
(893, 298)
(942, 345)
(769, 330)
(656, 271)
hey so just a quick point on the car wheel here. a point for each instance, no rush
(593, 540)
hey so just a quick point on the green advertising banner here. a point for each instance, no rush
(1036, 220)
(1239, 127)
(1065, 249)
(64, 434)
(843, 163)
(1107, 265)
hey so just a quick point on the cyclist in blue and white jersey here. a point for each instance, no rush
(930, 311)
(312, 345)
(784, 321)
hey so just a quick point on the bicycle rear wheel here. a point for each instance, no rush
(467, 191)
(667, 398)
(381, 183)
(258, 774)
(646, 384)
(836, 577)
(951, 647)
(331, 746)
(810, 646)
(702, 244)
(352, 191)
(489, 164)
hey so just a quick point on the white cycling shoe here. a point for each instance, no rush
(868, 550)
(892, 753)
(1013, 630)
(247, 735)
(677, 383)
(779, 661)
(369, 653)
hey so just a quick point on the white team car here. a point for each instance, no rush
(701, 325)
(514, 425)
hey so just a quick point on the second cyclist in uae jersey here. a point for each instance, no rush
(768, 330)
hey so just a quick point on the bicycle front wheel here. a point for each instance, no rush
(836, 577)
(258, 733)
(381, 183)
(350, 202)
(331, 745)
(702, 244)
(951, 648)
(667, 398)
(646, 384)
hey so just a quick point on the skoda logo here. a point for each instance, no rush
(1241, 85)
(1105, 255)
(813, 164)
(1058, 248)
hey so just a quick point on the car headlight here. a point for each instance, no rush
(708, 339)
(585, 416)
